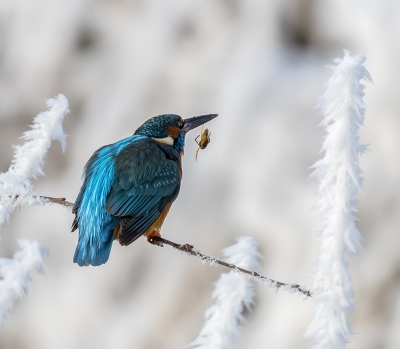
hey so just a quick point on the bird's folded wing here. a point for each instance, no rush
(145, 182)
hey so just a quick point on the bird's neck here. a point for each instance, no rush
(179, 143)
(170, 152)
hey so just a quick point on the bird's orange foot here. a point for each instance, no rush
(152, 238)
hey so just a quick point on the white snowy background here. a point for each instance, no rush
(260, 65)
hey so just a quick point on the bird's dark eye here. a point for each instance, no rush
(181, 123)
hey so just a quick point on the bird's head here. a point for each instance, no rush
(171, 128)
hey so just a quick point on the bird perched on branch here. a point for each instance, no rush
(129, 187)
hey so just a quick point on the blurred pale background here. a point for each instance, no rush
(261, 66)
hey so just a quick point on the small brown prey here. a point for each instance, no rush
(204, 139)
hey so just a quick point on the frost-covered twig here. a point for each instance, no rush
(15, 274)
(16, 190)
(340, 178)
(15, 184)
(232, 293)
(263, 280)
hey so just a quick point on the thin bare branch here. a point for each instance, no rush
(60, 201)
(159, 241)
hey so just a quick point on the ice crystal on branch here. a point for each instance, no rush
(340, 178)
(232, 293)
(15, 184)
(15, 274)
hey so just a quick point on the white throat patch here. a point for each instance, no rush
(167, 140)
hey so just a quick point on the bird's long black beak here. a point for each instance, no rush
(196, 121)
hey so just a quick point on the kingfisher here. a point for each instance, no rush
(129, 187)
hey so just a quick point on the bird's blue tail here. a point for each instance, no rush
(92, 249)
(90, 253)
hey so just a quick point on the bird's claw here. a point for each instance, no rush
(155, 240)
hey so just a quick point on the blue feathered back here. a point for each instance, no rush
(96, 226)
